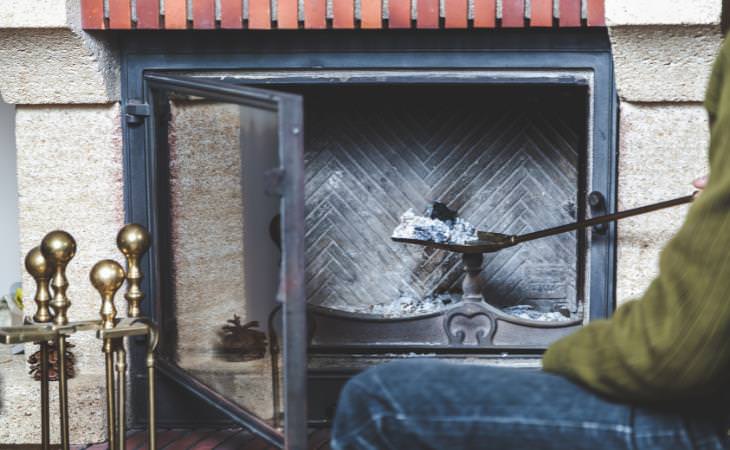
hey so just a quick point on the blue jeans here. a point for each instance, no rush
(424, 404)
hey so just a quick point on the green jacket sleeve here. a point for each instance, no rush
(673, 343)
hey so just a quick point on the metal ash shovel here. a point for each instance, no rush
(489, 242)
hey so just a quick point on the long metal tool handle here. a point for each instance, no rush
(151, 396)
(45, 408)
(63, 391)
(121, 397)
(111, 409)
(153, 338)
(604, 219)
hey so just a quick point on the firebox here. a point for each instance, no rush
(510, 158)
(272, 172)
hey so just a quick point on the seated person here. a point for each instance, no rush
(655, 376)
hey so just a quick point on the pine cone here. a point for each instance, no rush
(35, 362)
(241, 342)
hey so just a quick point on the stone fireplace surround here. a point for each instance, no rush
(431, 60)
(662, 57)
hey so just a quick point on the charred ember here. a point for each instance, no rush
(439, 211)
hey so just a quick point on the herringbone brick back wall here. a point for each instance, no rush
(339, 14)
(509, 161)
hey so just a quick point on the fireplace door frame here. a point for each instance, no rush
(287, 183)
(550, 56)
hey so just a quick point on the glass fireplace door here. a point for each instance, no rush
(229, 196)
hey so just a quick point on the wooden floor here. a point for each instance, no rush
(226, 439)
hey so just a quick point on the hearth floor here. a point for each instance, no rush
(203, 439)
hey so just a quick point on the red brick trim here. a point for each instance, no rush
(176, 14)
(513, 13)
(203, 14)
(428, 14)
(259, 14)
(542, 13)
(570, 13)
(596, 13)
(456, 14)
(485, 13)
(117, 14)
(231, 15)
(315, 14)
(120, 14)
(148, 14)
(399, 13)
(92, 14)
(287, 16)
(371, 14)
(343, 14)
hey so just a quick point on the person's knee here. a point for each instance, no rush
(359, 392)
(355, 409)
(364, 402)
(378, 388)
(354, 392)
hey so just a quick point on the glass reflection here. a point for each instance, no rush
(225, 260)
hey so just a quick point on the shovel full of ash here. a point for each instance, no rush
(441, 228)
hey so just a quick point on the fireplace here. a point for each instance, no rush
(509, 158)
(515, 137)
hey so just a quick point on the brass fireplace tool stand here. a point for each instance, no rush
(47, 265)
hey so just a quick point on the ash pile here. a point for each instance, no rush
(438, 224)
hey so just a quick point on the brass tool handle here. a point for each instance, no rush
(133, 241)
(58, 248)
(41, 271)
(604, 219)
(107, 277)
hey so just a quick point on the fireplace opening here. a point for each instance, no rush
(510, 159)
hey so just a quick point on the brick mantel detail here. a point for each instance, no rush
(341, 14)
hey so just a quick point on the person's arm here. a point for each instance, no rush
(674, 342)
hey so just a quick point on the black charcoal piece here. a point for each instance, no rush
(440, 211)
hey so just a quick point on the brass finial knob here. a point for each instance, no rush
(133, 241)
(107, 277)
(58, 248)
(41, 271)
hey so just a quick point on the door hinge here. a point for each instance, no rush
(136, 111)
